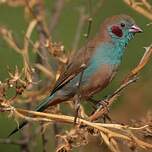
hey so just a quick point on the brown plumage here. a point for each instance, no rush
(96, 62)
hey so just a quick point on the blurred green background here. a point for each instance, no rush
(134, 102)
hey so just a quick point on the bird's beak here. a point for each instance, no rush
(135, 29)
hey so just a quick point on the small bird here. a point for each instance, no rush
(92, 68)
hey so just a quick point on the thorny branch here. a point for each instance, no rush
(106, 130)
(8, 37)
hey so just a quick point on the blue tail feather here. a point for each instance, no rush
(41, 107)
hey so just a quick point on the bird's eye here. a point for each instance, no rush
(122, 25)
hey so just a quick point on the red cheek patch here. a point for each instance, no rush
(117, 31)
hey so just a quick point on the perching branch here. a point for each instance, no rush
(131, 78)
(106, 130)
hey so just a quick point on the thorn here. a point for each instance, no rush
(90, 19)
(11, 85)
(62, 48)
(83, 65)
(85, 35)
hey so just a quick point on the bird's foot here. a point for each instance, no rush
(93, 103)
(77, 108)
(76, 113)
(103, 105)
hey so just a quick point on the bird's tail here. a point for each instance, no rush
(41, 107)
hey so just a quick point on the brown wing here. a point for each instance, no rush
(77, 63)
(99, 80)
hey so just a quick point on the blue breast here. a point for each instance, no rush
(105, 53)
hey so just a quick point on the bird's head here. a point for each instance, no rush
(120, 29)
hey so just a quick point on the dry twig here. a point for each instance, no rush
(139, 7)
(109, 132)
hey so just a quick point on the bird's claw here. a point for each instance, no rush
(77, 108)
(103, 105)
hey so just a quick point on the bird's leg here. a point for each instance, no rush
(77, 98)
(104, 104)
(77, 107)
(93, 103)
(101, 104)
(98, 103)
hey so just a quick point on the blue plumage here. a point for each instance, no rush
(98, 61)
